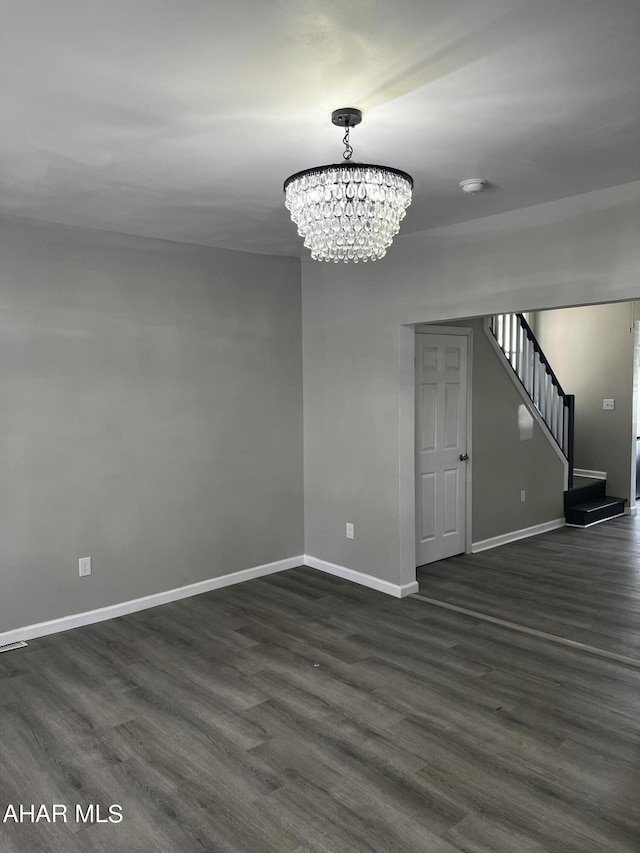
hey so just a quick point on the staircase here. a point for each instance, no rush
(523, 352)
(585, 501)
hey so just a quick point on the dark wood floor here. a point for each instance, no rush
(302, 714)
(582, 584)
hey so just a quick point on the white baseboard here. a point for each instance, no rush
(585, 472)
(89, 617)
(505, 538)
(361, 578)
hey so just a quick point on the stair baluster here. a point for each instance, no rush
(523, 352)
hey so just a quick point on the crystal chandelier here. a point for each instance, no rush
(348, 211)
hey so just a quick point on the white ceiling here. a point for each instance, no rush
(180, 119)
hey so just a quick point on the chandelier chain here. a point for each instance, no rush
(348, 150)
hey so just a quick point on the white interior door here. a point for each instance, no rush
(441, 451)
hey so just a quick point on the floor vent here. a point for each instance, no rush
(11, 646)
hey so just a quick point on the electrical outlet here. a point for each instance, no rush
(84, 566)
(523, 496)
(349, 530)
(608, 405)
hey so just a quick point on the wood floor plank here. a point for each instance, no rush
(336, 820)
(303, 714)
(580, 584)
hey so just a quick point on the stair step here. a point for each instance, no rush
(584, 489)
(593, 511)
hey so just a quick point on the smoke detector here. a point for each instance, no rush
(473, 185)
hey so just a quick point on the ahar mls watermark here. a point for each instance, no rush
(60, 813)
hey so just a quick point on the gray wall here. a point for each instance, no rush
(510, 452)
(578, 250)
(591, 352)
(150, 416)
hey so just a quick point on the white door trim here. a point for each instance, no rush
(407, 452)
(426, 329)
(407, 435)
(635, 424)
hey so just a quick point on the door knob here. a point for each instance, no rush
(464, 457)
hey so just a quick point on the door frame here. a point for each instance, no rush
(407, 430)
(635, 418)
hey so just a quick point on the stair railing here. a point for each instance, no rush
(523, 352)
